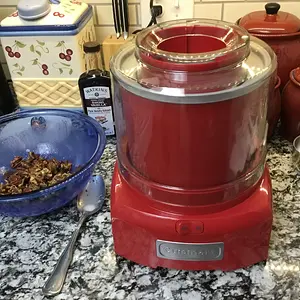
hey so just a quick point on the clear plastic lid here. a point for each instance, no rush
(193, 61)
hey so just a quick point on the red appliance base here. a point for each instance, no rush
(226, 240)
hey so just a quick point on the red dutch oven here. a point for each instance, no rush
(274, 107)
(281, 30)
(290, 116)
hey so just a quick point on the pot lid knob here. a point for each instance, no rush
(272, 8)
(33, 9)
(295, 75)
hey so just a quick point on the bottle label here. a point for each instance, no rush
(96, 92)
(99, 107)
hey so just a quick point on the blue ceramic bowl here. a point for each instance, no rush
(63, 134)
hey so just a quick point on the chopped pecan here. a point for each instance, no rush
(52, 166)
(66, 166)
(15, 190)
(34, 173)
(14, 179)
(16, 161)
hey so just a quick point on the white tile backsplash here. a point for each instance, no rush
(6, 10)
(234, 11)
(292, 7)
(103, 31)
(108, 1)
(105, 15)
(8, 2)
(208, 11)
(223, 1)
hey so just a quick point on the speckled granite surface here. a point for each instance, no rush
(29, 249)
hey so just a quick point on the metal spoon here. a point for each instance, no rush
(90, 201)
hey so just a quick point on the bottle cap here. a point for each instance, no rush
(90, 47)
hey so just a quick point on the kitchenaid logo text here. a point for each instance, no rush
(96, 92)
(197, 252)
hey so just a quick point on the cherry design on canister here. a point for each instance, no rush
(18, 69)
(14, 50)
(39, 48)
(63, 68)
(58, 14)
(43, 67)
(65, 54)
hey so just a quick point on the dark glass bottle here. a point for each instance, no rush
(8, 99)
(95, 89)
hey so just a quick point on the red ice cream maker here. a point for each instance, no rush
(190, 188)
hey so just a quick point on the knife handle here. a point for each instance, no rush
(115, 6)
(124, 17)
(121, 15)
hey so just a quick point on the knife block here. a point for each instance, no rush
(110, 46)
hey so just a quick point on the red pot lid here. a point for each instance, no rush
(270, 21)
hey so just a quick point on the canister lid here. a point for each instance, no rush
(193, 61)
(33, 9)
(40, 15)
(270, 21)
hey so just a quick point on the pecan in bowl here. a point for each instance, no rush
(34, 173)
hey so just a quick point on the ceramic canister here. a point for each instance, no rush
(279, 29)
(42, 42)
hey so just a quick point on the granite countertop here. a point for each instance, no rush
(30, 247)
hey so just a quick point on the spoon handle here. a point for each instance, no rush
(56, 280)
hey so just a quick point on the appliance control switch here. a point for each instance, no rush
(183, 227)
(189, 227)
